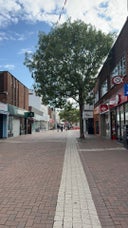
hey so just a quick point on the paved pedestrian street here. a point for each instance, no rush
(30, 175)
(106, 166)
(75, 207)
(53, 179)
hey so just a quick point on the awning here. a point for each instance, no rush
(4, 112)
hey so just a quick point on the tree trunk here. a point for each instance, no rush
(81, 106)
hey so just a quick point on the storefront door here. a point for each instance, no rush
(1, 126)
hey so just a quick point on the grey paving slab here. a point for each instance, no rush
(75, 207)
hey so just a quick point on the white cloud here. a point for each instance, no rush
(3, 36)
(107, 15)
(25, 50)
(7, 66)
(11, 36)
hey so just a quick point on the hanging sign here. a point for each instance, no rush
(114, 101)
(117, 80)
(103, 108)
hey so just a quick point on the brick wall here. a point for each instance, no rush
(13, 91)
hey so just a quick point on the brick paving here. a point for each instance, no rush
(31, 168)
(106, 165)
(30, 174)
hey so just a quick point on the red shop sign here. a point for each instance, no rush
(114, 101)
(103, 108)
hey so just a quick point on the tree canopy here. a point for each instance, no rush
(69, 114)
(66, 62)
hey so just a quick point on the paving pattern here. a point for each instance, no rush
(105, 163)
(43, 182)
(75, 207)
(30, 174)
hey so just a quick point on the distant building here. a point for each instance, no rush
(14, 102)
(40, 120)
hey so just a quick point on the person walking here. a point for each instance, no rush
(58, 127)
(61, 127)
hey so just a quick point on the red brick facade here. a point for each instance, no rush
(12, 91)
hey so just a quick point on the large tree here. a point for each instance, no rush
(66, 62)
(69, 113)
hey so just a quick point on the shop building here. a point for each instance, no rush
(41, 118)
(3, 120)
(111, 91)
(88, 121)
(14, 96)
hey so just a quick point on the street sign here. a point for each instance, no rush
(28, 114)
(125, 89)
(117, 79)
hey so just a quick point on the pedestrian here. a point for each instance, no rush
(61, 127)
(58, 127)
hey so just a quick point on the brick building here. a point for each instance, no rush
(14, 95)
(111, 97)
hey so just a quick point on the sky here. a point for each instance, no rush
(21, 21)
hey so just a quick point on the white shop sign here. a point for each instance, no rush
(3, 107)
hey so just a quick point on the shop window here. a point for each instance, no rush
(104, 88)
(115, 72)
(10, 126)
(120, 69)
(97, 96)
(113, 125)
(122, 119)
(126, 113)
(118, 123)
(123, 66)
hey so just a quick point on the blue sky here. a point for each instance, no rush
(21, 21)
(16, 40)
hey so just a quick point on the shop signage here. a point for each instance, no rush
(125, 89)
(87, 114)
(28, 114)
(114, 101)
(15, 111)
(3, 107)
(103, 108)
(117, 80)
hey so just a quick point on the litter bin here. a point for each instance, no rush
(125, 136)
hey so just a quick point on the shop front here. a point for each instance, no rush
(111, 116)
(16, 121)
(96, 117)
(105, 120)
(38, 122)
(3, 120)
(119, 114)
(102, 120)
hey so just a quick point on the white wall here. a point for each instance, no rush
(36, 102)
